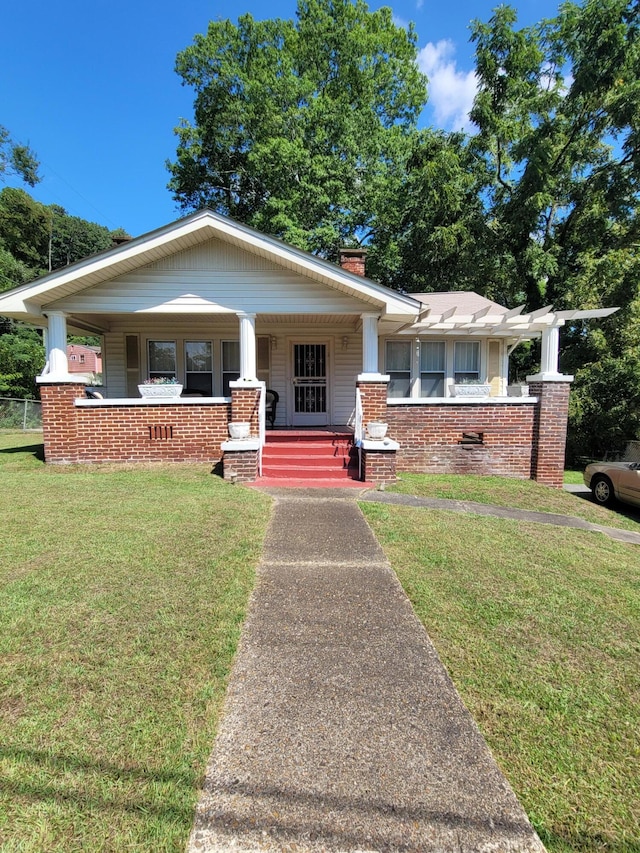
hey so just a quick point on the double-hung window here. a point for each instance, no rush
(398, 367)
(230, 365)
(466, 362)
(162, 359)
(198, 361)
(432, 368)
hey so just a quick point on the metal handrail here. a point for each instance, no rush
(358, 429)
(262, 423)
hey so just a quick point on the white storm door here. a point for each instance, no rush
(310, 391)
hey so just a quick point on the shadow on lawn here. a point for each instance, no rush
(36, 450)
(32, 759)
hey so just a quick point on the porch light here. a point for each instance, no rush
(345, 342)
(274, 342)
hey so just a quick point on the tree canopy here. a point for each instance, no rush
(298, 124)
(17, 159)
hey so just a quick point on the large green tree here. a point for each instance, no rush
(17, 159)
(297, 124)
(558, 117)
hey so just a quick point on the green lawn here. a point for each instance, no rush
(539, 628)
(122, 594)
(522, 494)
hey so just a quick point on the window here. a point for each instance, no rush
(466, 362)
(432, 368)
(263, 358)
(162, 359)
(198, 359)
(230, 365)
(398, 366)
(81, 359)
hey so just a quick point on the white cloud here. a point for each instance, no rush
(419, 4)
(451, 92)
(400, 22)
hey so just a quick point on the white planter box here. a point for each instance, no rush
(472, 390)
(160, 390)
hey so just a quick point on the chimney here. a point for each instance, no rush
(353, 260)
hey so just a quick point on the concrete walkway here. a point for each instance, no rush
(473, 508)
(341, 729)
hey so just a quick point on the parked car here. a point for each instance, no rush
(611, 480)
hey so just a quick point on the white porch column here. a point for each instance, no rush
(549, 356)
(370, 343)
(247, 347)
(56, 349)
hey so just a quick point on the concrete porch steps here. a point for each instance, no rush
(323, 454)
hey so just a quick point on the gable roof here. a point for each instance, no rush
(26, 302)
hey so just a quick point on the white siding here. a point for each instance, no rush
(212, 278)
(114, 375)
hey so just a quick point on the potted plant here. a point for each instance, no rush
(160, 386)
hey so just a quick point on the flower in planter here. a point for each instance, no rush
(161, 380)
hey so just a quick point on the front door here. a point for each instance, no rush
(310, 385)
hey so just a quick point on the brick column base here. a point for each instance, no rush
(379, 466)
(549, 432)
(59, 421)
(240, 466)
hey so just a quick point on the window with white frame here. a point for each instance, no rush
(198, 363)
(432, 368)
(426, 368)
(466, 362)
(398, 367)
(162, 359)
(230, 365)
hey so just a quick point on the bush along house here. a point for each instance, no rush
(207, 323)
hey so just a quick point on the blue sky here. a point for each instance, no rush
(91, 87)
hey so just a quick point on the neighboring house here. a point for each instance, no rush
(226, 311)
(84, 359)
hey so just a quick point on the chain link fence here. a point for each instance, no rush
(20, 414)
(630, 453)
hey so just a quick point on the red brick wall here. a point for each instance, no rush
(430, 438)
(374, 401)
(179, 432)
(547, 458)
(59, 422)
(245, 404)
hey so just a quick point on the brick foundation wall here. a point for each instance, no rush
(430, 438)
(179, 432)
(550, 432)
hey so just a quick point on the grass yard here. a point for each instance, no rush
(539, 628)
(122, 594)
(521, 494)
